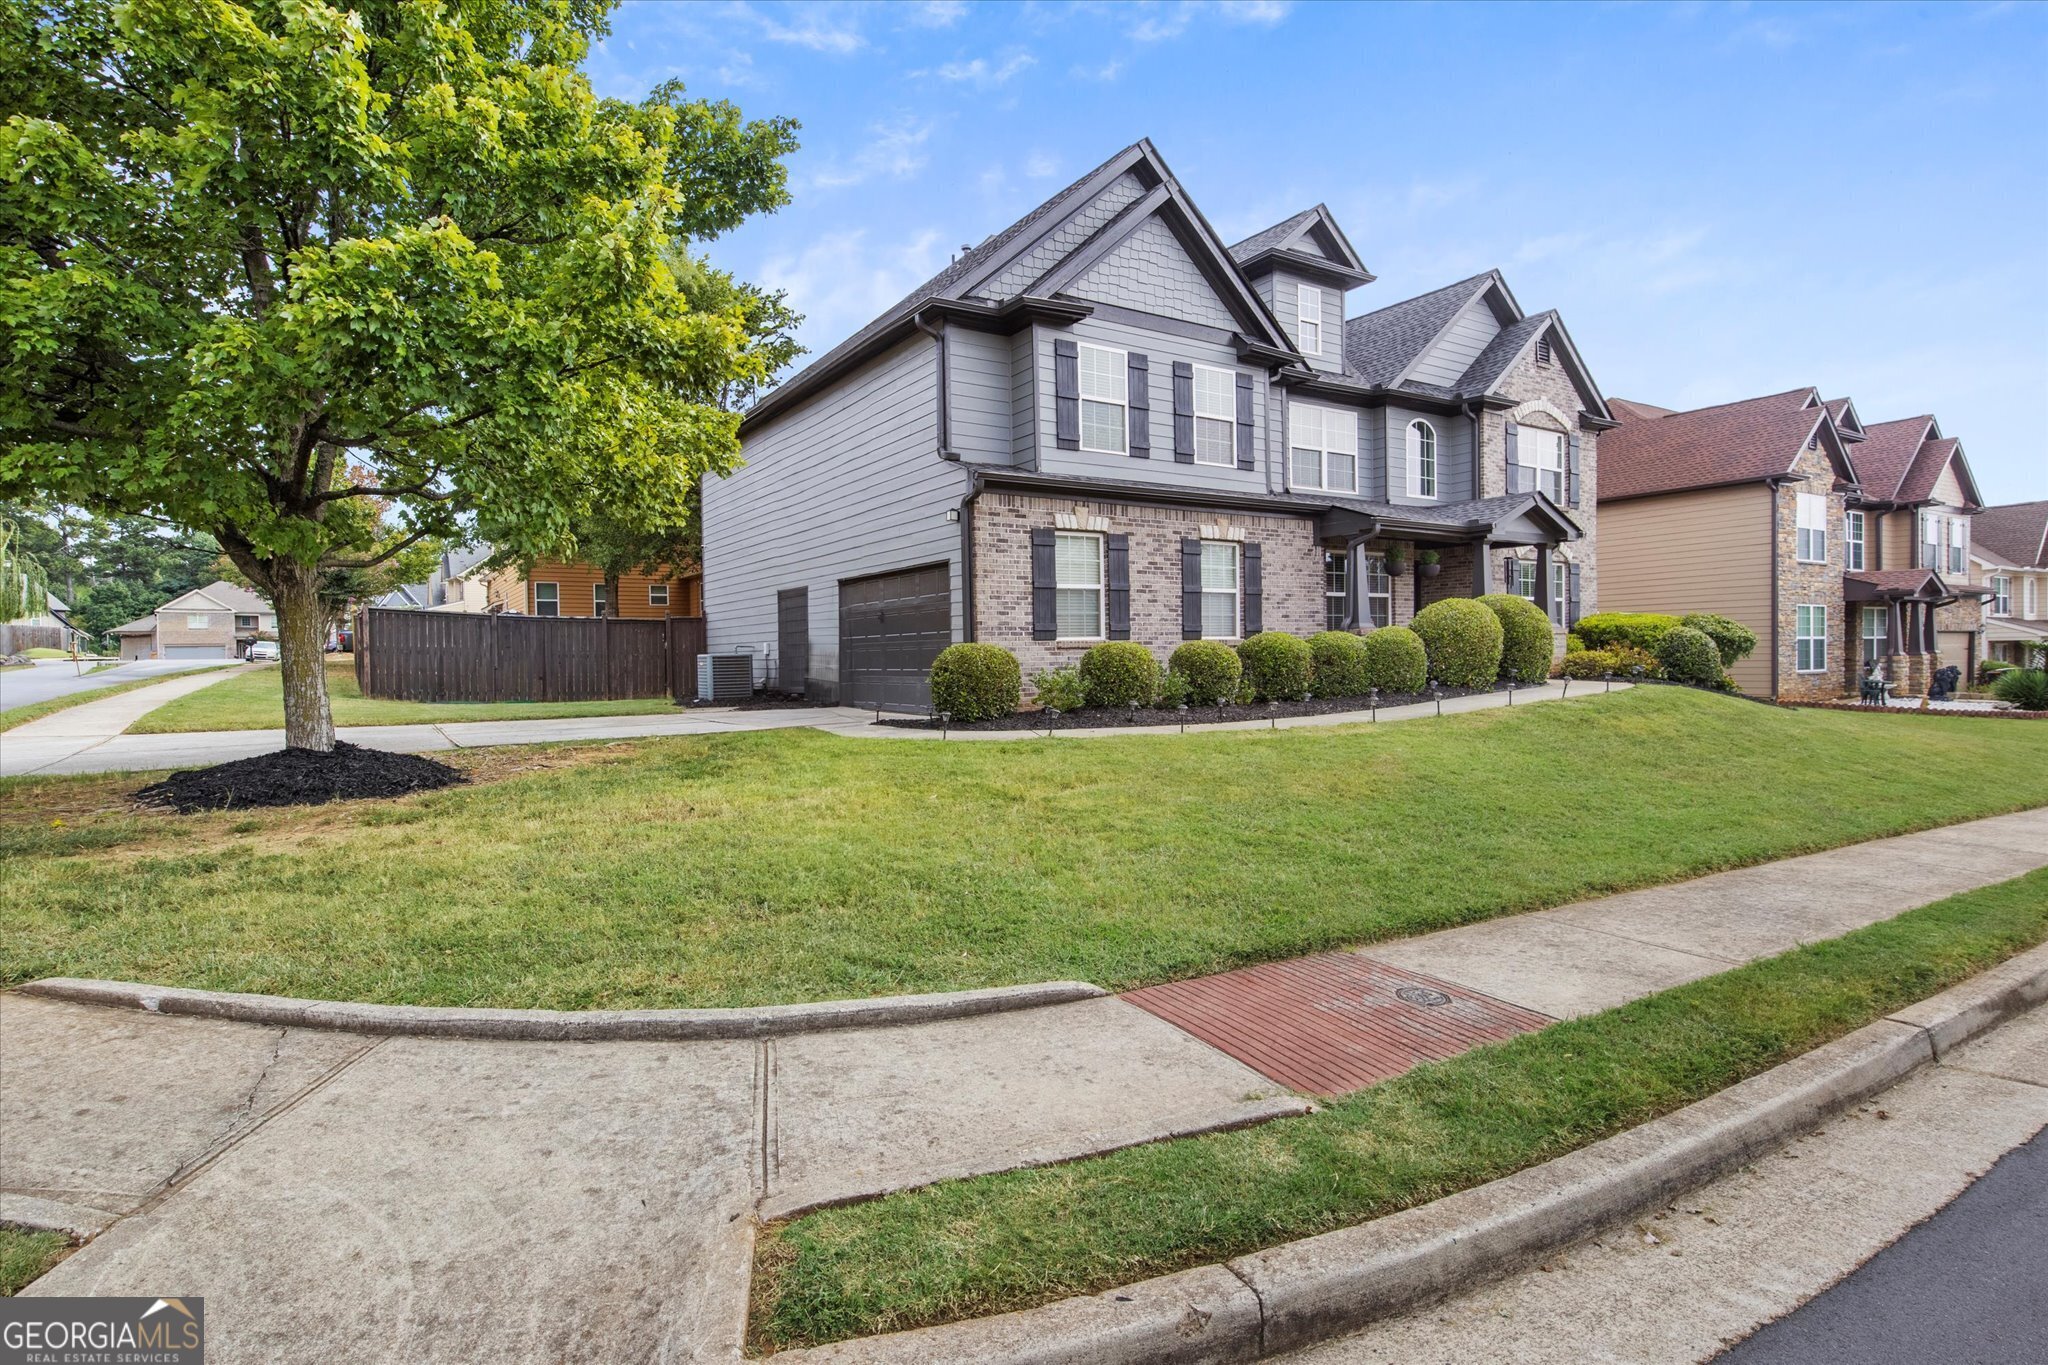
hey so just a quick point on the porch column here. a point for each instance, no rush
(1543, 578)
(1913, 631)
(1927, 642)
(1482, 568)
(1894, 629)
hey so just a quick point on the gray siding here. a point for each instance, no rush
(847, 484)
(1460, 345)
(1162, 468)
(1453, 455)
(978, 384)
(1285, 298)
(1078, 228)
(1023, 404)
(1150, 271)
(1283, 447)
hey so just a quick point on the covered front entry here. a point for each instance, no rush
(891, 627)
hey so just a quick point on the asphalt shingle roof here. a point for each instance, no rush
(1629, 410)
(2015, 532)
(1380, 344)
(1492, 363)
(1887, 455)
(1272, 236)
(1757, 438)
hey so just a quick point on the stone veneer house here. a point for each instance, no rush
(218, 621)
(2009, 560)
(1841, 546)
(1104, 423)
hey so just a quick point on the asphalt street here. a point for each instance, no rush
(53, 678)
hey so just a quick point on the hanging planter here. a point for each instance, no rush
(1426, 564)
(1397, 564)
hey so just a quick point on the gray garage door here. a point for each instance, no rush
(891, 627)
(195, 652)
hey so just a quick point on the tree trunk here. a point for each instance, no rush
(302, 645)
(611, 594)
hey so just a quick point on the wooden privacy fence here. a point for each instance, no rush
(16, 638)
(469, 656)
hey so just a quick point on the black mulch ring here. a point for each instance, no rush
(300, 777)
(1195, 715)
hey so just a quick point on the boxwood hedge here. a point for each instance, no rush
(1395, 660)
(1463, 640)
(1525, 636)
(1212, 670)
(1341, 668)
(1278, 666)
(1689, 656)
(976, 682)
(1643, 629)
(1120, 673)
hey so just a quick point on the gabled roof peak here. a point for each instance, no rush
(1310, 241)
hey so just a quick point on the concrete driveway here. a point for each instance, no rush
(53, 678)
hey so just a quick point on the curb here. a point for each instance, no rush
(560, 1026)
(1326, 1286)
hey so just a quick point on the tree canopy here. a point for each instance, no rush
(325, 283)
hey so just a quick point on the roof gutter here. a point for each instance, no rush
(938, 336)
(967, 557)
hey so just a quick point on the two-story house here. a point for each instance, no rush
(1102, 423)
(1787, 514)
(2009, 560)
(218, 621)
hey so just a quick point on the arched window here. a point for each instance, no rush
(1421, 459)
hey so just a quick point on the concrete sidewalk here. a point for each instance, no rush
(76, 731)
(27, 750)
(621, 1178)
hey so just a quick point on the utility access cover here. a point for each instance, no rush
(1336, 1022)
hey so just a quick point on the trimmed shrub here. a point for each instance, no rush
(1278, 666)
(1212, 670)
(1526, 641)
(1120, 673)
(1627, 659)
(1395, 660)
(1463, 641)
(1173, 690)
(1689, 656)
(1991, 668)
(1587, 663)
(1643, 629)
(1573, 643)
(1060, 689)
(976, 682)
(1340, 664)
(2026, 688)
(1732, 639)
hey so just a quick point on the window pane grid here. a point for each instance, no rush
(1077, 586)
(1105, 388)
(1219, 589)
(1378, 598)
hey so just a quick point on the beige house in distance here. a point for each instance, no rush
(218, 621)
(2009, 558)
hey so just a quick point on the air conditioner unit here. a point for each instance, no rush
(725, 677)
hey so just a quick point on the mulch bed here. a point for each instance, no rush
(1101, 717)
(300, 777)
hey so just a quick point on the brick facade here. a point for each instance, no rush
(1547, 398)
(1291, 564)
(1811, 585)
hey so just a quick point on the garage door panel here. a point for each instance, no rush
(194, 652)
(891, 628)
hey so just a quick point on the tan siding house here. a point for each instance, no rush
(1700, 551)
(558, 588)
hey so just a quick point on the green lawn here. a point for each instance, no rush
(255, 701)
(22, 715)
(26, 1255)
(988, 1245)
(795, 865)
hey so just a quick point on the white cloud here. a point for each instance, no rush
(738, 69)
(938, 13)
(813, 27)
(894, 151)
(1166, 20)
(841, 282)
(1107, 72)
(1039, 165)
(980, 72)
(1267, 12)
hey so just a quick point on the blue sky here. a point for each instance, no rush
(1723, 200)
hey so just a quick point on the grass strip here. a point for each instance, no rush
(22, 715)
(970, 1248)
(26, 1255)
(255, 701)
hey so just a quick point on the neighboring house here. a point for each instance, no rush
(54, 617)
(2009, 558)
(218, 621)
(460, 582)
(1785, 513)
(557, 588)
(1104, 423)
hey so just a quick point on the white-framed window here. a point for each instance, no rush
(1219, 590)
(1105, 399)
(1077, 559)
(197, 620)
(1874, 635)
(1421, 459)
(2001, 595)
(547, 599)
(657, 594)
(597, 602)
(1811, 639)
(1323, 446)
(1811, 519)
(1376, 598)
(1522, 582)
(2032, 608)
(1336, 589)
(1930, 540)
(1215, 416)
(1539, 463)
(1852, 540)
(245, 623)
(1308, 319)
(1958, 544)
(1560, 583)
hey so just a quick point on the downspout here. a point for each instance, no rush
(967, 558)
(938, 336)
(1478, 459)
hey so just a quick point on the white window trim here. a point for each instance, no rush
(1865, 637)
(1813, 522)
(1340, 561)
(198, 620)
(1304, 319)
(1798, 614)
(1374, 566)
(536, 598)
(2001, 595)
(1100, 587)
(1853, 531)
(1123, 367)
(1236, 591)
(1436, 459)
(652, 589)
(2031, 604)
(1229, 461)
(1560, 589)
(1322, 445)
(597, 602)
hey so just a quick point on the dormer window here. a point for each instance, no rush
(1308, 330)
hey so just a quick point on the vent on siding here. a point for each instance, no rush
(725, 677)
(1543, 351)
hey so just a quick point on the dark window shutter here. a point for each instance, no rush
(1184, 414)
(1254, 589)
(1572, 603)
(1139, 373)
(1045, 623)
(1507, 573)
(1572, 473)
(1514, 454)
(1117, 580)
(1191, 589)
(1066, 389)
(1244, 421)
